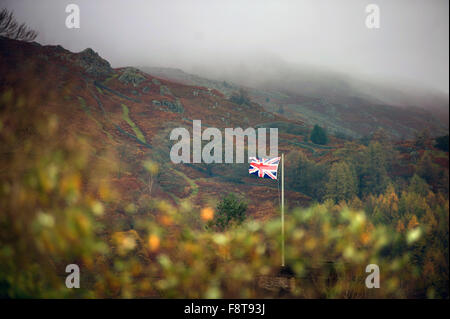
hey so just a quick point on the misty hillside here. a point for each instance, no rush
(345, 106)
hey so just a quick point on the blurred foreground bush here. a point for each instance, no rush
(52, 187)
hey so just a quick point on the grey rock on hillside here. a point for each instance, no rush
(131, 75)
(95, 65)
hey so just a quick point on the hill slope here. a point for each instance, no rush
(132, 113)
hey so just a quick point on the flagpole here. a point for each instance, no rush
(282, 210)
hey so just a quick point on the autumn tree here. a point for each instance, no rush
(380, 136)
(386, 207)
(400, 228)
(413, 222)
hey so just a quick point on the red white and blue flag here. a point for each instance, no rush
(265, 167)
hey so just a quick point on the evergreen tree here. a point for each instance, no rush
(374, 177)
(240, 97)
(319, 135)
(305, 176)
(342, 183)
(442, 143)
(418, 185)
(425, 168)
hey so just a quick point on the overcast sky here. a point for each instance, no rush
(412, 43)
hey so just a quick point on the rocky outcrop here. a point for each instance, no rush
(168, 106)
(93, 63)
(164, 90)
(145, 89)
(131, 76)
(176, 107)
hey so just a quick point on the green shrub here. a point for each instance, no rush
(229, 210)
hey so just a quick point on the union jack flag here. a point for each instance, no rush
(264, 168)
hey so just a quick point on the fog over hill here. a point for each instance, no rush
(262, 42)
(272, 73)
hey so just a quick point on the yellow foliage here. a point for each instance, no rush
(153, 242)
(207, 214)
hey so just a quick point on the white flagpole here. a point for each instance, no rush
(282, 209)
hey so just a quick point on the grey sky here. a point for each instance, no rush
(412, 43)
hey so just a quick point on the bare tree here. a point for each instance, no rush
(10, 28)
